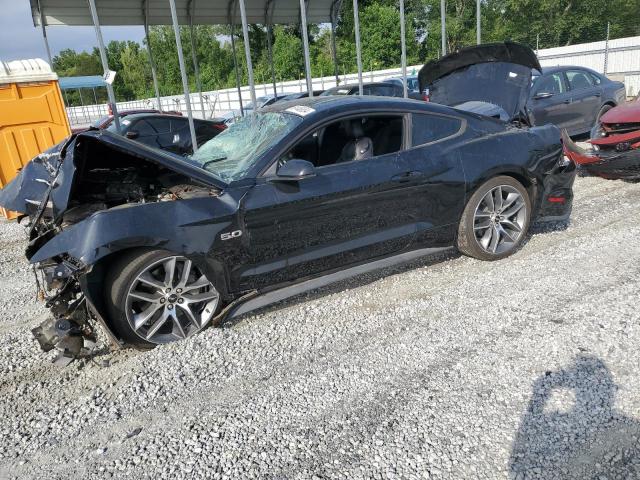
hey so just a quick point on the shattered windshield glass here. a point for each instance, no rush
(232, 153)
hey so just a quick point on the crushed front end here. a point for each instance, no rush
(613, 157)
(82, 198)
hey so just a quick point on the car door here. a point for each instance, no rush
(550, 102)
(585, 98)
(347, 213)
(437, 180)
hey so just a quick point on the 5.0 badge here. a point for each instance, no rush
(230, 235)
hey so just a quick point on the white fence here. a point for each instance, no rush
(219, 102)
(619, 59)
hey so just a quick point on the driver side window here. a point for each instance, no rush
(350, 139)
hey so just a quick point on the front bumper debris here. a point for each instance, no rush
(71, 339)
(67, 328)
(619, 163)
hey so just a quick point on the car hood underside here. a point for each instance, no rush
(498, 74)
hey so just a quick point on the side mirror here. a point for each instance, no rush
(294, 170)
(132, 134)
(541, 95)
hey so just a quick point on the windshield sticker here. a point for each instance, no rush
(300, 110)
(513, 74)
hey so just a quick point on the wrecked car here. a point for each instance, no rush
(155, 247)
(614, 153)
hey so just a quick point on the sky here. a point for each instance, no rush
(19, 39)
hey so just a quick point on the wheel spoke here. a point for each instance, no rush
(488, 200)
(177, 325)
(511, 197)
(186, 270)
(149, 280)
(139, 319)
(513, 226)
(145, 296)
(157, 324)
(505, 233)
(200, 297)
(169, 270)
(495, 239)
(497, 202)
(486, 238)
(192, 318)
(201, 282)
(485, 223)
(513, 210)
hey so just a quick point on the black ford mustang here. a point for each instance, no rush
(156, 247)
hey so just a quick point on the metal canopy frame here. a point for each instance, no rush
(176, 12)
(129, 12)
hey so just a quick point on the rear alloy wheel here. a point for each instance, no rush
(159, 298)
(495, 220)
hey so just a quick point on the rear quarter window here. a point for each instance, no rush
(427, 128)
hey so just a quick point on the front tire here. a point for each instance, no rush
(495, 220)
(155, 297)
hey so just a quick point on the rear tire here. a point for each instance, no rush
(495, 220)
(155, 297)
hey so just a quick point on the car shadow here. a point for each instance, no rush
(572, 430)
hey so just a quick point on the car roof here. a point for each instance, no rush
(136, 116)
(323, 104)
(562, 68)
(355, 85)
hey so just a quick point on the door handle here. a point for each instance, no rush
(406, 176)
(567, 102)
(598, 94)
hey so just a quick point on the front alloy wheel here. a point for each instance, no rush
(157, 298)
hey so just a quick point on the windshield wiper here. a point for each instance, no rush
(214, 160)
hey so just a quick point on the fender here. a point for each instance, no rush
(200, 221)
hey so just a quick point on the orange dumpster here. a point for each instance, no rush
(32, 115)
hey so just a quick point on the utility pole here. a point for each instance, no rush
(606, 49)
(478, 35)
(443, 28)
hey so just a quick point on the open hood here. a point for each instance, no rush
(47, 182)
(495, 73)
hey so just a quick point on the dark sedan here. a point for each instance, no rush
(413, 86)
(572, 98)
(298, 95)
(381, 89)
(167, 132)
(293, 197)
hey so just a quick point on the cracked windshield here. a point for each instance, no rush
(230, 155)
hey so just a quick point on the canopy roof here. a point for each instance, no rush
(91, 81)
(205, 12)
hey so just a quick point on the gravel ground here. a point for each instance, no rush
(446, 368)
